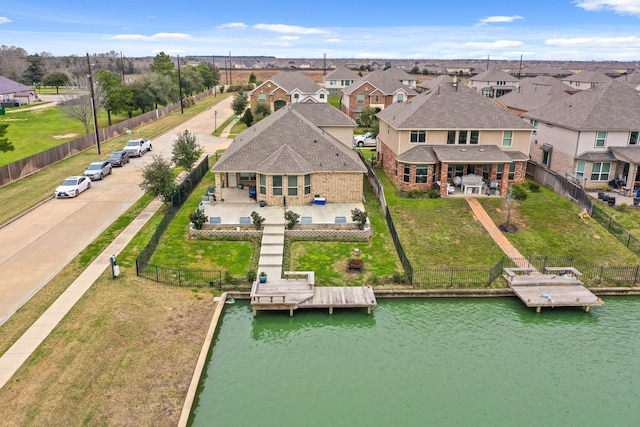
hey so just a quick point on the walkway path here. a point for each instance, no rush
(11, 361)
(496, 234)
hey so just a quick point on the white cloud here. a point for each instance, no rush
(4, 20)
(154, 37)
(232, 25)
(630, 7)
(334, 40)
(498, 44)
(289, 37)
(499, 19)
(289, 29)
(618, 42)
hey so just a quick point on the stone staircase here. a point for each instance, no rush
(271, 250)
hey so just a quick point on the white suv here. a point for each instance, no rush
(365, 140)
(137, 147)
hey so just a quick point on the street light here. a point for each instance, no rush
(215, 120)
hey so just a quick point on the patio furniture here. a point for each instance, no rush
(493, 188)
(457, 181)
(472, 183)
(252, 194)
(450, 187)
(611, 201)
(319, 201)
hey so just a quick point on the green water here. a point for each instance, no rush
(426, 362)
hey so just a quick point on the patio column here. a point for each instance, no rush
(631, 178)
(218, 176)
(504, 183)
(443, 179)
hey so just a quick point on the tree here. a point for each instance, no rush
(239, 103)
(252, 78)
(367, 117)
(5, 144)
(207, 77)
(34, 71)
(57, 79)
(247, 118)
(143, 97)
(80, 107)
(157, 179)
(191, 80)
(185, 150)
(262, 110)
(162, 64)
(119, 97)
(415, 70)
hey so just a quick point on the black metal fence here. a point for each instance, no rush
(616, 229)
(177, 276)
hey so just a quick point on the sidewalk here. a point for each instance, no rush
(22, 349)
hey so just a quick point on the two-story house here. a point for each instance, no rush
(378, 90)
(585, 80)
(338, 79)
(449, 132)
(301, 151)
(534, 93)
(632, 79)
(287, 87)
(591, 137)
(493, 83)
(402, 76)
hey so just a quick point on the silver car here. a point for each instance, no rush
(98, 170)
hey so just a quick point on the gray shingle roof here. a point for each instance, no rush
(447, 107)
(610, 106)
(399, 74)
(291, 80)
(494, 76)
(596, 156)
(588, 77)
(471, 153)
(633, 78)
(627, 154)
(419, 154)
(324, 114)
(385, 82)
(434, 83)
(536, 92)
(288, 142)
(8, 86)
(341, 73)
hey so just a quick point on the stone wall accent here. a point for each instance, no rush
(330, 234)
(229, 232)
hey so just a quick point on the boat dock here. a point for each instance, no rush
(555, 287)
(298, 290)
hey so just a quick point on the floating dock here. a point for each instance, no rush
(298, 290)
(555, 287)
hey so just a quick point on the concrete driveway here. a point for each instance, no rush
(38, 245)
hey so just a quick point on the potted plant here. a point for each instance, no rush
(263, 277)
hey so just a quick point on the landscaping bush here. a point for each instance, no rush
(257, 220)
(359, 217)
(292, 219)
(532, 186)
(518, 192)
(432, 193)
(198, 218)
(415, 194)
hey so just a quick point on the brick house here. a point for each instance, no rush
(592, 137)
(295, 154)
(449, 132)
(378, 90)
(339, 79)
(287, 87)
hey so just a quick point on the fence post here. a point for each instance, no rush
(635, 279)
(628, 239)
(601, 274)
(157, 277)
(219, 273)
(137, 270)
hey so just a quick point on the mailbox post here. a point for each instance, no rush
(115, 268)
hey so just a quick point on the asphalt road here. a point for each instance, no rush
(38, 245)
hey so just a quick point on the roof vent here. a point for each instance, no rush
(482, 150)
(463, 149)
(315, 140)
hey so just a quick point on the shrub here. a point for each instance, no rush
(198, 218)
(622, 207)
(399, 277)
(518, 192)
(532, 186)
(292, 218)
(257, 220)
(433, 193)
(415, 194)
(359, 217)
(221, 89)
(251, 276)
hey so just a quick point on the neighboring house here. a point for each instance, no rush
(339, 79)
(299, 152)
(493, 83)
(536, 71)
(430, 84)
(534, 93)
(402, 76)
(451, 131)
(591, 137)
(585, 80)
(632, 79)
(287, 87)
(13, 92)
(378, 90)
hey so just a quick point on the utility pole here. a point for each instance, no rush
(180, 85)
(520, 67)
(215, 84)
(122, 66)
(230, 78)
(93, 104)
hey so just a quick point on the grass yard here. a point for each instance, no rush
(439, 233)
(628, 217)
(329, 259)
(549, 225)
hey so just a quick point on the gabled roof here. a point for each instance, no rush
(399, 74)
(291, 80)
(536, 92)
(419, 154)
(627, 154)
(588, 77)
(341, 73)
(384, 82)
(433, 83)
(8, 86)
(324, 115)
(633, 78)
(451, 107)
(471, 153)
(610, 106)
(287, 142)
(494, 75)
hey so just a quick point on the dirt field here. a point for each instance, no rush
(240, 76)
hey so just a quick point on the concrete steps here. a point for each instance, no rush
(271, 250)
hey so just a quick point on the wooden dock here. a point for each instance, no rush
(556, 287)
(295, 292)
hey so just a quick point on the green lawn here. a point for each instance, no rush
(329, 259)
(628, 217)
(549, 225)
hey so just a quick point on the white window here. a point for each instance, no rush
(292, 185)
(360, 98)
(601, 138)
(418, 136)
(580, 169)
(400, 97)
(262, 97)
(533, 123)
(307, 184)
(633, 138)
(276, 182)
(507, 138)
(322, 96)
(600, 171)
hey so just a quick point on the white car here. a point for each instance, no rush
(365, 140)
(98, 170)
(137, 147)
(72, 186)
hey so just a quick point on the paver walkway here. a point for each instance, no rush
(496, 234)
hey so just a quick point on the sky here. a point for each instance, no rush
(394, 29)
